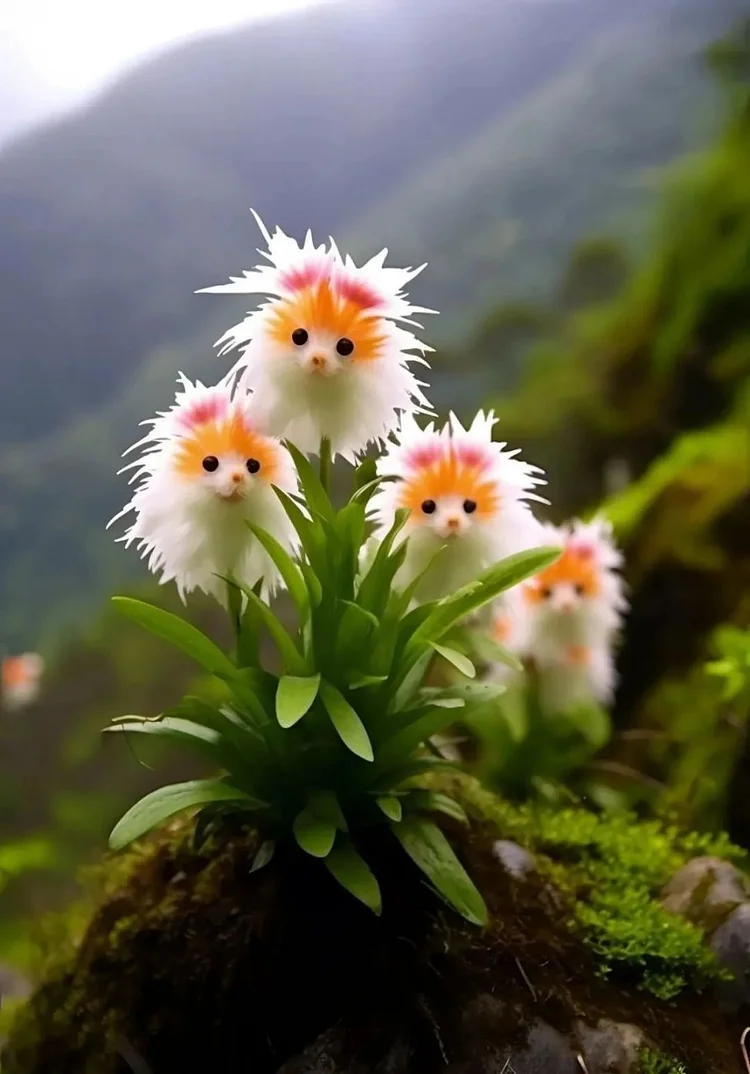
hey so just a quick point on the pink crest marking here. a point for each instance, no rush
(473, 456)
(358, 293)
(583, 551)
(202, 411)
(423, 455)
(303, 276)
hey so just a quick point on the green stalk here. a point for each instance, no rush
(325, 464)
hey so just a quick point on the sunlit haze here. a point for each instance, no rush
(75, 45)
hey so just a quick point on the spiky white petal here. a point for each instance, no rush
(190, 527)
(357, 402)
(475, 465)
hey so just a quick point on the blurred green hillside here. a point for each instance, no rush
(485, 141)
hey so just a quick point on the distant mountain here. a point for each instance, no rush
(482, 136)
(23, 98)
(111, 218)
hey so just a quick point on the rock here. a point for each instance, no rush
(610, 1047)
(731, 945)
(706, 891)
(545, 1052)
(517, 860)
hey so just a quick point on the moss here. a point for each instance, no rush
(653, 1062)
(192, 962)
(613, 867)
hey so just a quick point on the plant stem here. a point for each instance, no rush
(325, 464)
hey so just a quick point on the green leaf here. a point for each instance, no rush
(375, 587)
(432, 853)
(325, 805)
(350, 728)
(175, 630)
(489, 585)
(437, 802)
(316, 496)
(294, 662)
(410, 733)
(314, 835)
(391, 780)
(391, 806)
(446, 702)
(295, 697)
(354, 874)
(266, 851)
(365, 474)
(287, 568)
(311, 535)
(166, 801)
(203, 740)
(459, 661)
(366, 680)
(491, 651)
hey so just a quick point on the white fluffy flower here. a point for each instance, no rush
(205, 472)
(467, 498)
(21, 677)
(575, 609)
(327, 353)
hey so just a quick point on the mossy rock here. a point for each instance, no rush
(190, 961)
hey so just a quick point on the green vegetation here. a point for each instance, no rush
(652, 1062)
(613, 867)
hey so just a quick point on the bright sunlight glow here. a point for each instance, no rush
(75, 45)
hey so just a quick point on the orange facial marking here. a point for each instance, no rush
(572, 568)
(448, 477)
(230, 437)
(501, 628)
(321, 309)
(577, 655)
(16, 671)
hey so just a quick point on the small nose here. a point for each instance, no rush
(236, 477)
(452, 523)
(318, 362)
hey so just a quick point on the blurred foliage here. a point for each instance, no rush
(641, 405)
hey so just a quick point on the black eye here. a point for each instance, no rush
(428, 506)
(545, 592)
(252, 466)
(300, 337)
(210, 463)
(470, 506)
(580, 590)
(344, 347)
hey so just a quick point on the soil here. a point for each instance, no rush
(197, 964)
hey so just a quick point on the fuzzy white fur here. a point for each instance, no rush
(354, 403)
(187, 528)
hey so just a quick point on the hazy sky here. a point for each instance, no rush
(72, 46)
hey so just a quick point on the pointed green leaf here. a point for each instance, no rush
(432, 853)
(325, 805)
(410, 733)
(391, 806)
(180, 633)
(203, 740)
(350, 728)
(266, 851)
(294, 662)
(295, 697)
(459, 661)
(437, 802)
(316, 496)
(491, 651)
(489, 585)
(354, 874)
(446, 702)
(365, 474)
(391, 779)
(366, 680)
(311, 535)
(313, 834)
(287, 568)
(166, 801)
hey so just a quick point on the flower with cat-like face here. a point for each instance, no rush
(327, 353)
(467, 498)
(205, 472)
(575, 609)
(20, 678)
